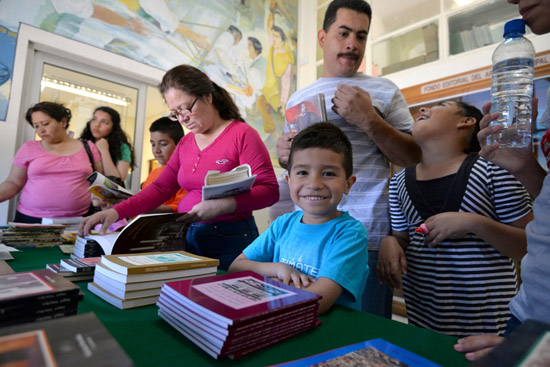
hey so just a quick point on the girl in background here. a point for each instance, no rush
(104, 130)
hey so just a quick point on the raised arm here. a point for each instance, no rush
(355, 106)
(520, 162)
(14, 183)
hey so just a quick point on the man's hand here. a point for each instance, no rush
(283, 148)
(354, 105)
(391, 262)
(477, 346)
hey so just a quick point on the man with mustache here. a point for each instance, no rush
(374, 115)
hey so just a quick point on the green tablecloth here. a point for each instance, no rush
(150, 341)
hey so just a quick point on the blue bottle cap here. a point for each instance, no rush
(516, 26)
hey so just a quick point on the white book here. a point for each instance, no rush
(126, 294)
(219, 185)
(119, 302)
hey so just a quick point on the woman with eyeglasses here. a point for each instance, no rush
(219, 140)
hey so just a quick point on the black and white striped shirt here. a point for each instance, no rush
(462, 286)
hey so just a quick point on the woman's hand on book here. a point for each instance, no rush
(105, 217)
(208, 209)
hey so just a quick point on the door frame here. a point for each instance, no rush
(33, 42)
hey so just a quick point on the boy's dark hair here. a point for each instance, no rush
(324, 135)
(116, 138)
(471, 111)
(359, 6)
(165, 125)
(55, 110)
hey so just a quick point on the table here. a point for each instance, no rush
(150, 341)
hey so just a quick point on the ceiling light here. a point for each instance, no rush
(83, 91)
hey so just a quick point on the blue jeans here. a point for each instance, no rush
(221, 240)
(377, 298)
(512, 325)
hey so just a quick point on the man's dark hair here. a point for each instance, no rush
(359, 6)
(468, 110)
(172, 128)
(324, 135)
(256, 44)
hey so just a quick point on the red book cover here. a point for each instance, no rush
(238, 298)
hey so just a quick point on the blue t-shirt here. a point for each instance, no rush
(336, 250)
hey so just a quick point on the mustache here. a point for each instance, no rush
(349, 54)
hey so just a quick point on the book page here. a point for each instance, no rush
(242, 292)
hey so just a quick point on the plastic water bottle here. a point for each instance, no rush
(512, 87)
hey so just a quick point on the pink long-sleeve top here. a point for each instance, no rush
(237, 144)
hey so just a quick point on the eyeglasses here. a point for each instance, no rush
(184, 112)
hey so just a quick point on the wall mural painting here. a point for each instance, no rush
(246, 46)
(7, 54)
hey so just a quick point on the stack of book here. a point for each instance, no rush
(238, 313)
(23, 235)
(36, 296)
(86, 247)
(128, 281)
(75, 269)
(79, 340)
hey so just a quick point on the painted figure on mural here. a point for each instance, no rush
(278, 81)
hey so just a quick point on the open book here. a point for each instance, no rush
(157, 232)
(218, 185)
(305, 113)
(105, 188)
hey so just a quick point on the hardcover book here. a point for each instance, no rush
(155, 262)
(70, 341)
(376, 352)
(218, 185)
(305, 113)
(107, 189)
(157, 232)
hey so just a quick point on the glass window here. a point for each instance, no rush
(480, 26)
(456, 4)
(413, 48)
(391, 15)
